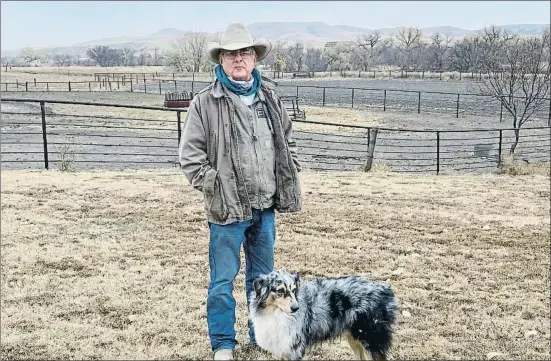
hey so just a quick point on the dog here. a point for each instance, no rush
(289, 317)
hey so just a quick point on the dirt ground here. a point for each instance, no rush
(105, 265)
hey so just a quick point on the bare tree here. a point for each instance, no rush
(193, 48)
(62, 59)
(369, 41)
(465, 55)
(128, 56)
(29, 55)
(523, 85)
(156, 56)
(410, 40)
(100, 54)
(296, 55)
(338, 58)
(314, 60)
(438, 50)
(6, 62)
(277, 59)
(493, 41)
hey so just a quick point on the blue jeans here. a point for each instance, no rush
(258, 239)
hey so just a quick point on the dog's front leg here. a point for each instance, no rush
(297, 354)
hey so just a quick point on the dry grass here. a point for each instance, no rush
(115, 265)
(512, 166)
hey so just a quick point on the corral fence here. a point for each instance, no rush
(399, 100)
(80, 135)
(374, 74)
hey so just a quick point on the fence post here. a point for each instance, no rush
(34, 82)
(179, 127)
(499, 149)
(297, 91)
(26, 86)
(501, 111)
(160, 92)
(118, 84)
(131, 86)
(89, 86)
(45, 141)
(459, 75)
(457, 107)
(384, 101)
(352, 97)
(70, 85)
(372, 139)
(437, 152)
(323, 96)
(47, 86)
(419, 104)
(368, 138)
(144, 84)
(175, 86)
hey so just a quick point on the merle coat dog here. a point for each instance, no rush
(289, 317)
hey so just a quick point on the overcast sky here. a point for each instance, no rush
(62, 23)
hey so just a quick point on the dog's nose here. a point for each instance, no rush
(294, 309)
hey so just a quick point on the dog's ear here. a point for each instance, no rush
(296, 278)
(258, 283)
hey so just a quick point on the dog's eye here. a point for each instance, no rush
(281, 292)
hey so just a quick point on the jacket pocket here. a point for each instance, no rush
(215, 199)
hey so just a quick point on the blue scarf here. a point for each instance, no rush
(238, 88)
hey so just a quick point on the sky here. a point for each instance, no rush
(63, 23)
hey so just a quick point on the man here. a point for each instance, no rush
(237, 149)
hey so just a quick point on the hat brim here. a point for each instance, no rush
(262, 48)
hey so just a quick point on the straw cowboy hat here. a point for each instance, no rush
(237, 36)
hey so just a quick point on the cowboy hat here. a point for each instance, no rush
(237, 36)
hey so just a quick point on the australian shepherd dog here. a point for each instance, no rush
(289, 316)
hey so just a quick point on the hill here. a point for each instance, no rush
(309, 33)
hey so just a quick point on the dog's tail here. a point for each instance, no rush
(374, 328)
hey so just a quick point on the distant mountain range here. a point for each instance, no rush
(309, 33)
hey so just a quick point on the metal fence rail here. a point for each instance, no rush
(46, 134)
(410, 101)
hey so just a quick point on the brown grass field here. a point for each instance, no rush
(106, 265)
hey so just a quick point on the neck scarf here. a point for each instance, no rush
(238, 88)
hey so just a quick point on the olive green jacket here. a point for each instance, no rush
(209, 158)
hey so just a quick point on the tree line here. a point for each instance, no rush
(409, 49)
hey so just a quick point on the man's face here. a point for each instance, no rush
(238, 64)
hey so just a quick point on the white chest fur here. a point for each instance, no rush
(275, 333)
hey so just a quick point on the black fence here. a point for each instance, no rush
(79, 135)
(374, 74)
(410, 101)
